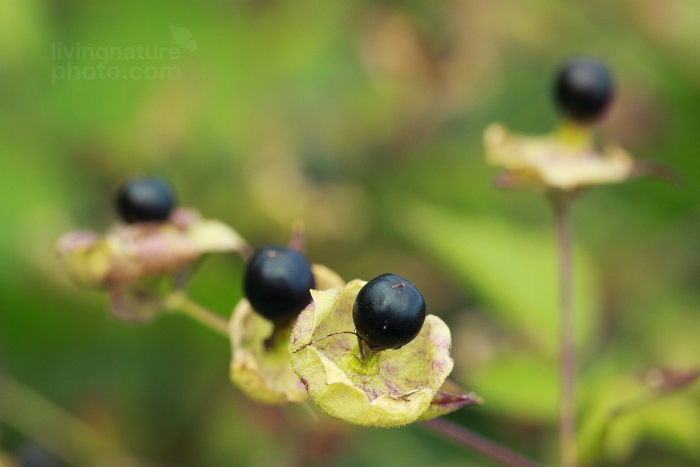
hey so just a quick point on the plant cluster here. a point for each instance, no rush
(364, 352)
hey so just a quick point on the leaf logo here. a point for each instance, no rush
(183, 37)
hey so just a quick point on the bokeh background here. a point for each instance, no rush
(364, 119)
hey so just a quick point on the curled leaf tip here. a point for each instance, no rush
(670, 380)
(387, 389)
(448, 398)
(658, 171)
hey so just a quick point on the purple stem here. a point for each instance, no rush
(567, 413)
(480, 444)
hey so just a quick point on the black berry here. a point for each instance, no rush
(584, 89)
(389, 312)
(145, 200)
(277, 282)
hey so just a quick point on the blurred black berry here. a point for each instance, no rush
(145, 200)
(584, 89)
(277, 282)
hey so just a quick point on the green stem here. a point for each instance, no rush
(180, 302)
(567, 413)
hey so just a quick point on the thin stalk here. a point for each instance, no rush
(478, 443)
(567, 410)
(178, 301)
(298, 239)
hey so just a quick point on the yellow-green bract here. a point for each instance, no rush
(389, 388)
(260, 364)
(565, 160)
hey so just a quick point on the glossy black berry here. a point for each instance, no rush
(145, 200)
(277, 282)
(389, 312)
(584, 89)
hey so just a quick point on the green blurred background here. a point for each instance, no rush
(364, 119)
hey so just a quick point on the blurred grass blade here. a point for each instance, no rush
(57, 430)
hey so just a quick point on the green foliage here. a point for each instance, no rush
(511, 268)
(389, 97)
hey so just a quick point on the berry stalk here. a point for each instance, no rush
(567, 411)
(478, 443)
(179, 302)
